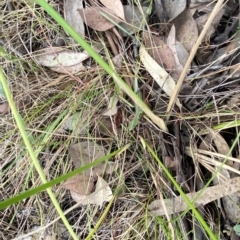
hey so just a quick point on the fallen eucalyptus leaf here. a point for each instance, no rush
(186, 30)
(182, 54)
(115, 6)
(161, 77)
(92, 17)
(177, 51)
(86, 152)
(232, 201)
(159, 51)
(57, 56)
(177, 204)
(201, 21)
(79, 184)
(69, 69)
(135, 21)
(62, 60)
(72, 16)
(104, 126)
(174, 8)
(102, 193)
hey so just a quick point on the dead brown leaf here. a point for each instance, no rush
(201, 21)
(159, 51)
(182, 54)
(171, 42)
(72, 16)
(178, 204)
(161, 77)
(221, 145)
(58, 56)
(186, 30)
(115, 6)
(174, 8)
(86, 152)
(92, 17)
(61, 60)
(102, 193)
(135, 19)
(104, 126)
(79, 184)
(230, 202)
(69, 69)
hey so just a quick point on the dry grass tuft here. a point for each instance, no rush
(42, 95)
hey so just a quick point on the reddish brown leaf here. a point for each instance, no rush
(159, 51)
(79, 184)
(92, 17)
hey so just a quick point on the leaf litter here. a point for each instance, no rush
(72, 17)
(157, 40)
(93, 18)
(208, 195)
(162, 78)
(81, 185)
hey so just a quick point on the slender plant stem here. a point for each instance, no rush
(21, 127)
(89, 237)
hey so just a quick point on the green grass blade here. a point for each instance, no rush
(52, 183)
(21, 126)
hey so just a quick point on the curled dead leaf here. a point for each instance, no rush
(69, 69)
(65, 61)
(57, 56)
